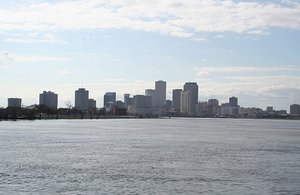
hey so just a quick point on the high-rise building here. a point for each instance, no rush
(14, 102)
(92, 104)
(128, 101)
(82, 99)
(176, 99)
(161, 91)
(233, 101)
(142, 104)
(213, 106)
(109, 99)
(186, 102)
(193, 88)
(203, 109)
(295, 110)
(152, 93)
(49, 99)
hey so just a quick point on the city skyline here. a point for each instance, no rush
(249, 49)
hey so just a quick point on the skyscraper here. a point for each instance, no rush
(49, 99)
(193, 88)
(14, 102)
(152, 93)
(295, 110)
(109, 99)
(142, 104)
(82, 99)
(176, 99)
(186, 102)
(92, 104)
(233, 101)
(161, 91)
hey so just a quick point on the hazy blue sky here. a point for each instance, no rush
(249, 49)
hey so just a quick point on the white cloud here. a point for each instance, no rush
(244, 69)
(64, 72)
(167, 17)
(34, 38)
(7, 58)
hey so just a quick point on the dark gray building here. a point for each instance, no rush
(109, 99)
(295, 110)
(176, 97)
(14, 102)
(49, 99)
(82, 99)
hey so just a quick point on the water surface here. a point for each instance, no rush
(150, 156)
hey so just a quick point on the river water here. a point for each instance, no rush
(150, 156)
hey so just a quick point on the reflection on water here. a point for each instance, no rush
(144, 156)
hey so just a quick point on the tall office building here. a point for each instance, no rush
(295, 110)
(82, 99)
(233, 101)
(109, 99)
(193, 88)
(142, 104)
(186, 102)
(128, 101)
(176, 97)
(152, 93)
(49, 99)
(14, 102)
(161, 91)
(213, 106)
(92, 104)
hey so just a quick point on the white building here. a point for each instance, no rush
(14, 102)
(82, 99)
(49, 99)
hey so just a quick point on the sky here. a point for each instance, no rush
(248, 49)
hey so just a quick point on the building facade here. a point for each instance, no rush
(193, 88)
(295, 110)
(176, 97)
(186, 102)
(160, 91)
(141, 105)
(49, 99)
(92, 104)
(14, 102)
(152, 93)
(109, 99)
(82, 99)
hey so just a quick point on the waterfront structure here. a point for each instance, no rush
(82, 99)
(193, 88)
(295, 110)
(233, 101)
(92, 104)
(14, 102)
(152, 93)
(49, 99)
(213, 107)
(109, 99)
(186, 102)
(160, 91)
(202, 109)
(230, 109)
(176, 97)
(141, 105)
